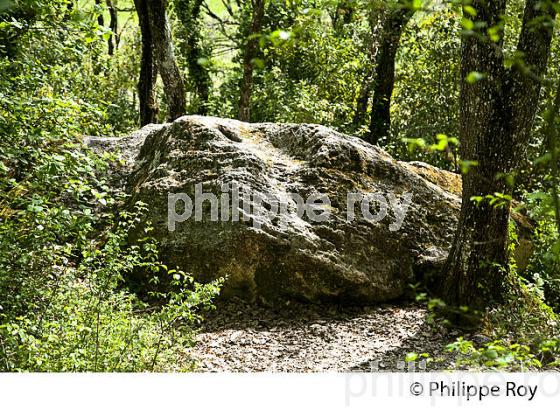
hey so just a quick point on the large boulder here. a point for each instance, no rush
(348, 254)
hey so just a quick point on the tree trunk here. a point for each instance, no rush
(188, 13)
(100, 20)
(497, 113)
(167, 66)
(251, 51)
(364, 93)
(393, 26)
(113, 40)
(148, 68)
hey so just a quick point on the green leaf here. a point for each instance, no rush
(258, 63)
(411, 357)
(475, 76)
(466, 165)
(467, 23)
(469, 10)
(494, 33)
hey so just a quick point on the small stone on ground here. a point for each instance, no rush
(240, 337)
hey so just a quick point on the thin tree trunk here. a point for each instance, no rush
(362, 101)
(100, 20)
(393, 26)
(101, 23)
(251, 51)
(364, 93)
(552, 146)
(113, 40)
(163, 50)
(200, 75)
(188, 13)
(496, 118)
(148, 68)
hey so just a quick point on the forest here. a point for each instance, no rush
(114, 114)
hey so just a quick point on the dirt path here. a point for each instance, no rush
(300, 338)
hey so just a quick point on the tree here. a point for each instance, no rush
(386, 24)
(167, 66)
(250, 53)
(100, 19)
(148, 68)
(113, 40)
(188, 12)
(157, 45)
(497, 105)
(394, 22)
(364, 93)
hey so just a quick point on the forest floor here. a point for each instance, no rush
(239, 337)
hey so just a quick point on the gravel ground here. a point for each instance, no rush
(239, 337)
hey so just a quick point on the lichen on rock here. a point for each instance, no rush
(286, 255)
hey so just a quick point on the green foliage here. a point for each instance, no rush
(544, 267)
(522, 333)
(64, 256)
(499, 355)
(312, 76)
(426, 95)
(87, 321)
(305, 72)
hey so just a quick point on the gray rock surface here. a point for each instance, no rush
(286, 255)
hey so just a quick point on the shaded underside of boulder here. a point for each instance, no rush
(285, 254)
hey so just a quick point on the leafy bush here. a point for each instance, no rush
(520, 334)
(426, 95)
(500, 355)
(63, 262)
(544, 267)
(64, 256)
(87, 321)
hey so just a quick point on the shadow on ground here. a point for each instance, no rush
(242, 337)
